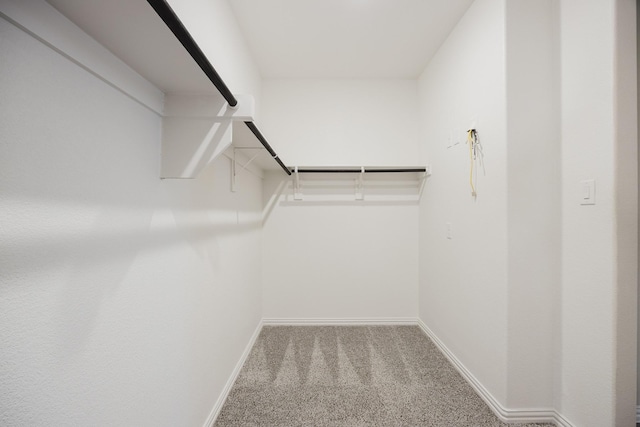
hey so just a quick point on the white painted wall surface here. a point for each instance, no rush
(626, 206)
(338, 260)
(533, 202)
(342, 122)
(463, 280)
(638, 214)
(591, 319)
(337, 257)
(124, 299)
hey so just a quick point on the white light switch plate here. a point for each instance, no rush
(588, 192)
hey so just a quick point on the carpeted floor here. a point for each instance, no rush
(351, 376)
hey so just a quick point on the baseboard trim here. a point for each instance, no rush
(213, 415)
(535, 415)
(355, 321)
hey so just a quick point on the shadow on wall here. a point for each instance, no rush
(97, 258)
(341, 190)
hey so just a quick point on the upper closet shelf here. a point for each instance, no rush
(219, 135)
(162, 68)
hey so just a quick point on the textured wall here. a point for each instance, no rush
(333, 256)
(533, 205)
(565, 313)
(463, 280)
(335, 259)
(343, 121)
(124, 299)
(589, 312)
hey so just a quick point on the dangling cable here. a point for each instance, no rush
(471, 137)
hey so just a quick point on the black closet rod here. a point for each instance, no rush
(170, 18)
(252, 126)
(386, 170)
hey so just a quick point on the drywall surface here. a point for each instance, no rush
(337, 259)
(582, 282)
(626, 209)
(598, 142)
(124, 299)
(533, 202)
(463, 279)
(342, 122)
(638, 213)
(332, 256)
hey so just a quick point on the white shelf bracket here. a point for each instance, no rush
(423, 180)
(196, 129)
(233, 172)
(235, 162)
(297, 194)
(360, 185)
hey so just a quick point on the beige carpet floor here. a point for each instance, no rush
(351, 376)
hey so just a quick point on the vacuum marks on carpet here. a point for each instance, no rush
(350, 376)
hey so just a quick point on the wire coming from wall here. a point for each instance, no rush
(476, 158)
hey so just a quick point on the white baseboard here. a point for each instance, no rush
(535, 415)
(341, 321)
(213, 415)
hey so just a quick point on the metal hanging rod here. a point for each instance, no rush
(362, 170)
(170, 18)
(176, 26)
(252, 126)
(172, 21)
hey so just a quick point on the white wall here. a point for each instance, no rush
(561, 325)
(335, 257)
(338, 260)
(638, 214)
(533, 202)
(124, 299)
(596, 140)
(463, 280)
(589, 264)
(626, 207)
(342, 122)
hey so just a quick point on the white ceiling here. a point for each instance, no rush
(346, 38)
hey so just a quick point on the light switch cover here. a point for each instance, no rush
(588, 192)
